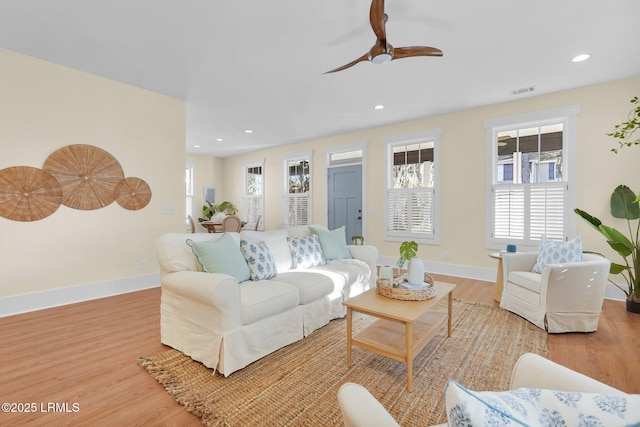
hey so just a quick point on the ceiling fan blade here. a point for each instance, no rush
(364, 57)
(405, 52)
(378, 18)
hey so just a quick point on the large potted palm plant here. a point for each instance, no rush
(624, 204)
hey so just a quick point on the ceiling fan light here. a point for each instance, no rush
(382, 58)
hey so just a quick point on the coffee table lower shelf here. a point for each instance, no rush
(389, 338)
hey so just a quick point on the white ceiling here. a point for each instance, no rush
(259, 64)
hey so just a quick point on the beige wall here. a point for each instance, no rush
(463, 169)
(44, 107)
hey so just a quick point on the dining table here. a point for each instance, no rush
(216, 226)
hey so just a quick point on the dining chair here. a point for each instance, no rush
(192, 224)
(257, 222)
(231, 223)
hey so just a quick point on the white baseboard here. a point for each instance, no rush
(481, 273)
(25, 303)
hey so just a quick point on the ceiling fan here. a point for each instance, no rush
(382, 52)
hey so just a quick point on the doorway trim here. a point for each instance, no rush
(343, 148)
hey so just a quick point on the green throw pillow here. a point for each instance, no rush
(221, 256)
(333, 243)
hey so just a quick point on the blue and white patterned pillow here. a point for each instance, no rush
(538, 407)
(552, 253)
(306, 251)
(259, 260)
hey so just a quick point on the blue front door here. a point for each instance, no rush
(345, 200)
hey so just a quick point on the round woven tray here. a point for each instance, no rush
(407, 294)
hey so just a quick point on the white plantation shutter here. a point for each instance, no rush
(252, 207)
(546, 211)
(524, 212)
(509, 208)
(410, 212)
(296, 208)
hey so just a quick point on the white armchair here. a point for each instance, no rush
(563, 298)
(360, 409)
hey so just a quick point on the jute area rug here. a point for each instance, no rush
(298, 385)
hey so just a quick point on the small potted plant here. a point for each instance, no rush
(221, 209)
(415, 269)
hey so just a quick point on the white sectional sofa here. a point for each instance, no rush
(226, 323)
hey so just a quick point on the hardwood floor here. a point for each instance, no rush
(85, 354)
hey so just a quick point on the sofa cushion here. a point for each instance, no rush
(526, 279)
(306, 251)
(311, 285)
(276, 241)
(259, 260)
(221, 256)
(265, 298)
(538, 407)
(333, 243)
(552, 253)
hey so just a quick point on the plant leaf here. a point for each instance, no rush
(624, 204)
(617, 268)
(595, 222)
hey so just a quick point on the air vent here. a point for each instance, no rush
(523, 90)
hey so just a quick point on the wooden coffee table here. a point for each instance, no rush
(403, 328)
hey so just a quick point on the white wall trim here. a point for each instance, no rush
(25, 303)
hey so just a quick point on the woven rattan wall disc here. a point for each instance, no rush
(28, 194)
(133, 193)
(88, 175)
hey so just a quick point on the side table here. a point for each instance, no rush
(499, 276)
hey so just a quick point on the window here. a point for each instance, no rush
(411, 203)
(342, 158)
(189, 194)
(297, 190)
(253, 189)
(530, 192)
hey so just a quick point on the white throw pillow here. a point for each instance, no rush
(552, 253)
(538, 407)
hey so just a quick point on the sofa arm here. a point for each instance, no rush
(368, 254)
(360, 409)
(534, 371)
(219, 291)
(520, 261)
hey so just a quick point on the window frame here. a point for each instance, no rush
(189, 193)
(429, 135)
(296, 198)
(568, 117)
(246, 203)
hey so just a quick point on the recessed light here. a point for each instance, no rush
(219, 139)
(581, 58)
(248, 131)
(378, 107)
(196, 146)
